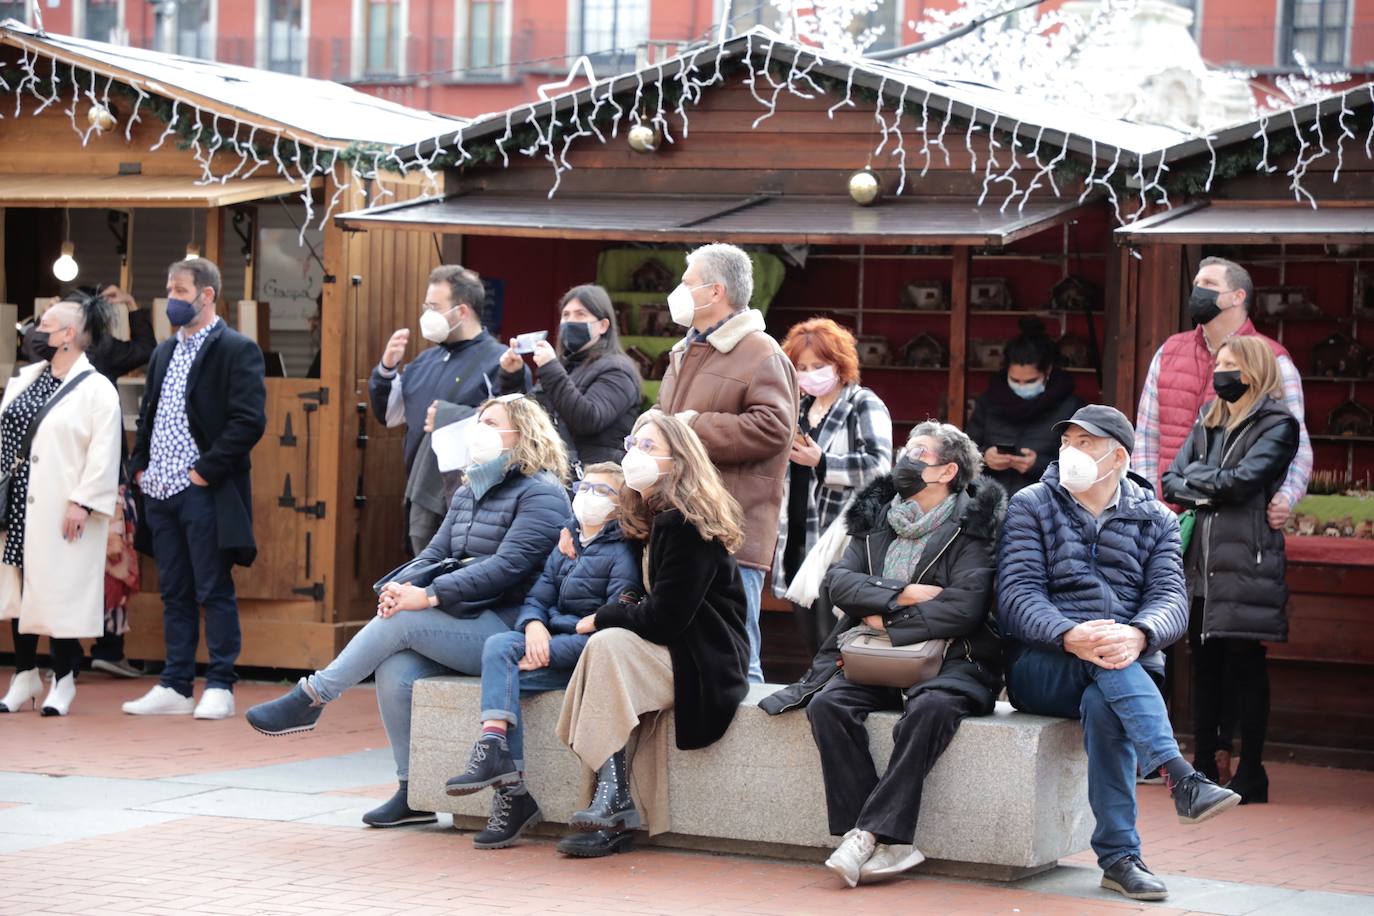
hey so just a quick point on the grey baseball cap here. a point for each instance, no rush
(1104, 421)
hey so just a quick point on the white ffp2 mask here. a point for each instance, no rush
(1078, 469)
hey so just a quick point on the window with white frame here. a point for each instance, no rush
(101, 20)
(15, 9)
(382, 25)
(285, 36)
(1316, 29)
(745, 14)
(195, 29)
(611, 30)
(485, 47)
(886, 16)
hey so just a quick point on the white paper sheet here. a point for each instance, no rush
(450, 444)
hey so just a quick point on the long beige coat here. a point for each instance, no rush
(75, 457)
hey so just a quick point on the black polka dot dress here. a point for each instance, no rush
(14, 425)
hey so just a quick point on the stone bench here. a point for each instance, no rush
(1007, 799)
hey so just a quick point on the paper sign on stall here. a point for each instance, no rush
(450, 444)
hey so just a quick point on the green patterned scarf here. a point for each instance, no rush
(913, 529)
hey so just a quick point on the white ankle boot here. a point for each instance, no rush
(60, 697)
(25, 688)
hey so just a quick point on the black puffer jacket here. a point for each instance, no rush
(1235, 562)
(961, 558)
(1002, 417)
(593, 400)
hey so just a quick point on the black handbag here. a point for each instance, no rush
(419, 572)
(26, 444)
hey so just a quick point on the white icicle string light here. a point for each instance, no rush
(1157, 184)
(1368, 140)
(1299, 164)
(76, 103)
(848, 100)
(1011, 167)
(901, 142)
(1340, 141)
(925, 136)
(940, 137)
(1092, 170)
(171, 127)
(1263, 136)
(29, 79)
(53, 80)
(661, 115)
(968, 141)
(504, 139)
(1139, 183)
(993, 146)
(134, 116)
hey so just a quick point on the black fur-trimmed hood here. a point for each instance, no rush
(979, 510)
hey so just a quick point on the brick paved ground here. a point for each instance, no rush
(169, 857)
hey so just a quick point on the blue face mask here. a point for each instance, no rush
(180, 312)
(1028, 391)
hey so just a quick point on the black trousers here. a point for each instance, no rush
(855, 796)
(1230, 678)
(65, 653)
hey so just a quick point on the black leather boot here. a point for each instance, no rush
(596, 844)
(612, 807)
(1251, 784)
(513, 811)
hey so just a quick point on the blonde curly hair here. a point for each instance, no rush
(539, 447)
(691, 485)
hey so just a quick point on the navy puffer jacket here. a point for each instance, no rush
(569, 590)
(502, 540)
(1055, 570)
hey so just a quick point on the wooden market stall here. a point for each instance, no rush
(1314, 276)
(932, 281)
(199, 155)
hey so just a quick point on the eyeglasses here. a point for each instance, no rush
(644, 444)
(600, 489)
(507, 398)
(921, 453)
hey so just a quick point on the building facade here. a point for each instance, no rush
(471, 56)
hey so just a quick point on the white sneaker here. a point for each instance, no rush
(891, 860)
(160, 701)
(25, 689)
(59, 700)
(215, 703)
(848, 858)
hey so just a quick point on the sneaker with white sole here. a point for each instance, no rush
(215, 703)
(119, 667)
(160, 701)
(848, 858)
(890, 860)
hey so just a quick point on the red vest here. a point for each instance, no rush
(1185, 385)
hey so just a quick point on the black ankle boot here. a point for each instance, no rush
(489, 764)
(396, 811)
(596, 844)
(1252, 785)
(513, 811)
(612, 807)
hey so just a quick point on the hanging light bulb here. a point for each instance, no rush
(65, 267)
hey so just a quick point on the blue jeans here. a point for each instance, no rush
(1124, 722)
(401, 649)
(193, 572)
(753, 599)
(503, 683)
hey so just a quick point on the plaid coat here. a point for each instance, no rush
(856, 439)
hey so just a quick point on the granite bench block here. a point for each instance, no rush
(1010, 792)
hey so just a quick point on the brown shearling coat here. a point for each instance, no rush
(743, 389)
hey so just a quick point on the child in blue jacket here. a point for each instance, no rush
(542, 650)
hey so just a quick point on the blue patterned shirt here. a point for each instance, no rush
(172, 452)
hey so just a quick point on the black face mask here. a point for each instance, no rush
(1202, 305)
(907, 476)
(37, 348)
(1228, 385)
(574, 335)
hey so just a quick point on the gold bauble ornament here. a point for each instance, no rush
(642, 139)
(865, 187)
(100, 117)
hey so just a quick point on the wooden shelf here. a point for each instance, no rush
(1061, 369)
(891, 368)
(1327, 438)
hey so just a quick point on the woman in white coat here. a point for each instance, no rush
(52, 553)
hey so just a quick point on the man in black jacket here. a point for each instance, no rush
(463, 369)
(113, 358)
(203, 411)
